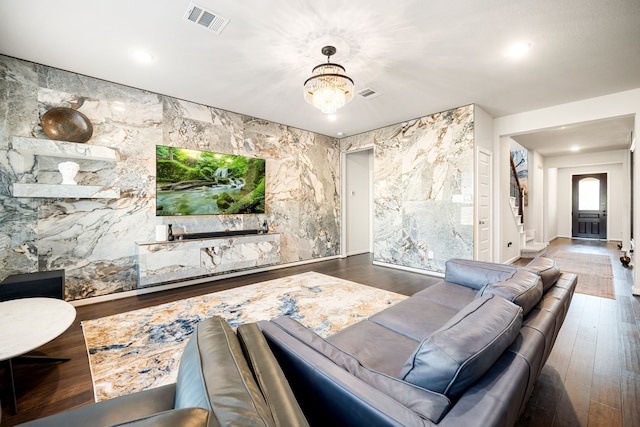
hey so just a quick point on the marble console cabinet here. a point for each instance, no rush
(160, 262)
(29, 148)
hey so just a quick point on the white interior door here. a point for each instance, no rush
(483, 227)
(358, 197)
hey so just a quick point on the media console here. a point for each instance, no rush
(192, 257)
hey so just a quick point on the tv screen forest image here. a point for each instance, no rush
(191, 182)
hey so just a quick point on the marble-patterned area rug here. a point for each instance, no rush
(141, 349)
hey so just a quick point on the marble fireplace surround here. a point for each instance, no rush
(422, 183)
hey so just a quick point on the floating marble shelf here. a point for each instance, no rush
(60, 191)
(160, 262)
(67, 150)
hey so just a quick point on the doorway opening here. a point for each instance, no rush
(358, 202)
(589, 206)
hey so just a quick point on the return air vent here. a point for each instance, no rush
(368, 93)
(205, 18)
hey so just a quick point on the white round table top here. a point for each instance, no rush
(28, 323)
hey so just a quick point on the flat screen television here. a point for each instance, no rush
(191, 182)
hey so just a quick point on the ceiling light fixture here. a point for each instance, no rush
(143, 57)
(518, 50)
(329, 88)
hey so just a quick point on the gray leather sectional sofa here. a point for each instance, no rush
(223, 380)
(464, 352)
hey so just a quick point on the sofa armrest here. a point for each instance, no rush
(113, 411)
(328, 394)
(496, 399)
(183, 417)
(271, 380)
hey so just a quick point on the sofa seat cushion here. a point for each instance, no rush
(546, 268)
(460, 352)
(415, 317)
(184, 417)
(214, 375)
(476, 274)
(448, 294)
(523, 289)
(426, 403)
(376, 347)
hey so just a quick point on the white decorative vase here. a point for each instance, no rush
(68, 171)
(162, 232)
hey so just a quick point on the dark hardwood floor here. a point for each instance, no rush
(592, 377)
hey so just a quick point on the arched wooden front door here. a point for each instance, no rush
(590, 206)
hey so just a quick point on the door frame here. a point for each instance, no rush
(575, 200)
(344, 198)
(476, 228)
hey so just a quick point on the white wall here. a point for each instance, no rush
(482, 129)
(615, 191)
(550, 231)
(536, 195)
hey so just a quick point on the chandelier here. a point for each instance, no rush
(329, 88)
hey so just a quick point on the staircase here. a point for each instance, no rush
(528, 246)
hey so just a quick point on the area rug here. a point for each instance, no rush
(595, 275)
(141, 349)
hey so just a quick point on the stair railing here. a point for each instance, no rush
(516, 189)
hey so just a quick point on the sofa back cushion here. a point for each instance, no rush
(460, 352)
(476, 274)
(214, 375)
(523, 289)
(546, 268)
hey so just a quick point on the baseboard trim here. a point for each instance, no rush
(411, 269)
(512, 260)
(182, 284)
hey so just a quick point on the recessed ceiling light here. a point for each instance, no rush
(575, 148)
(332, 117)
(518, 50)
(143, 56)
(340, 133)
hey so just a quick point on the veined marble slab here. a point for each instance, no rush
(69, 150)
(423, 189)
(161, 262)
(141, 349)
(64, 191)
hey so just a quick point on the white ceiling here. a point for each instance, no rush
(423, 56)
(589, 137)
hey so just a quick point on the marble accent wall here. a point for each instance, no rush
(423, 189)
(94, 240)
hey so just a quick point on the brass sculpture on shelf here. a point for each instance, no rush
(66, 124)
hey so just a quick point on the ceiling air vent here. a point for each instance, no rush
(368, 93)
(205, 18)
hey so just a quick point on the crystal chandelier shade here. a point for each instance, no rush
(328, 88)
